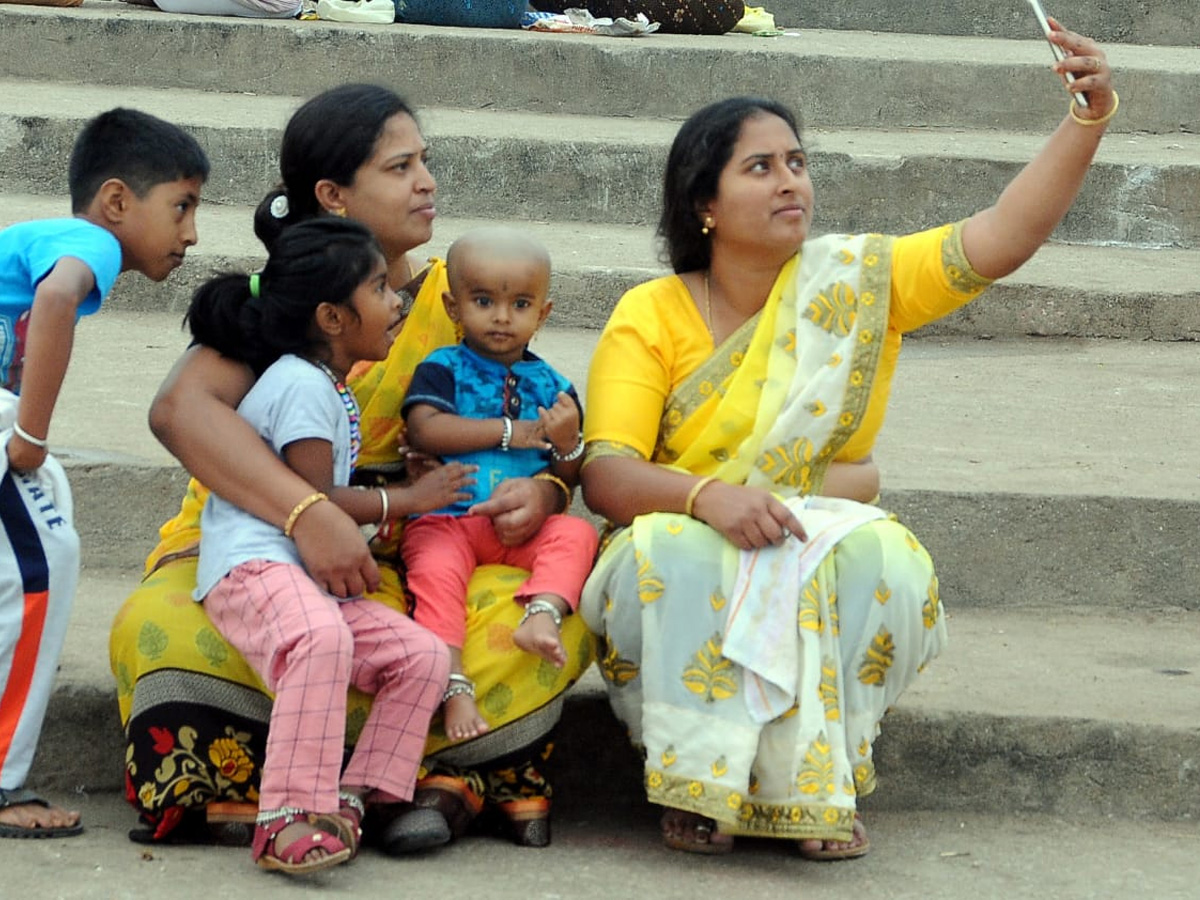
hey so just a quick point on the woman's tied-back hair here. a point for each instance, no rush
(320, 261)
(329, 137)
(701, 150)
(136, 147)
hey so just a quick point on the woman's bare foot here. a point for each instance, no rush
(693, 833)
(462, 718)
(539, 635)
(831, 850)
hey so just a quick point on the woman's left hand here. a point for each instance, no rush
(1087, 62)
(518, 507)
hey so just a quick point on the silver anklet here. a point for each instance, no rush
(353, 801)
(289, 813)
(533, 607)
(459, 684)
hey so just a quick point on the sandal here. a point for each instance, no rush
(291, 859)
(830, 854)
(401, 828)
(23, 797)
(693, 833)
(347, 824)
(457, 803)
(528, 821)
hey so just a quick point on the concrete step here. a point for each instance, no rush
(1170, 22)
(1066, 290)
(1065, 711)
(836, 78)
(1141, 191)
(1015, 461)
(617, 855)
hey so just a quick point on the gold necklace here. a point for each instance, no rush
(712, 330)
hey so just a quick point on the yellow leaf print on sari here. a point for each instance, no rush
(809, 617)
(650, 586)
(834, 310)
(712, 677)
(615, 670)
(669, 756)
(817, 775)
(717, 600)
(828, 689)
(719, 767)
(883, 593)
(929, 609)
(879, 658)
(790, 465)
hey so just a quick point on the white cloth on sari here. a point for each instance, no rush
(765, 603)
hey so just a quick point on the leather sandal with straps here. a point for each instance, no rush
(293, 859)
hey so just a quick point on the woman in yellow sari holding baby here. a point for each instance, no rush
(758, 616)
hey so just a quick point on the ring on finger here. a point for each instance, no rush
(786, 533)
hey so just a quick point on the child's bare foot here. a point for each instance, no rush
(539, 635)
(462, 718)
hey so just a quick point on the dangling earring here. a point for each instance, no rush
(708, 224)
(458, 332)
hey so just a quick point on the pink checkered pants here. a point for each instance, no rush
(308, 649)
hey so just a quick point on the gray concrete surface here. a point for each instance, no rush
(1142, 190)
(915, 856)
(1066, 290)
(837, 78)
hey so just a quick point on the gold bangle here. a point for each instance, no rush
(298, 509)
(695, 492)
(1100, 121)
(562, 485)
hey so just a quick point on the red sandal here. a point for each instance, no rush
(347, 824)
(291, 859)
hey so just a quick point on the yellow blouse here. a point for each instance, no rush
(656, 338)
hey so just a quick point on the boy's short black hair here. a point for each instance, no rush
(140, 149)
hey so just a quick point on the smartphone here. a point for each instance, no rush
(1057, 50)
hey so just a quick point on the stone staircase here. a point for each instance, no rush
(1038, 441)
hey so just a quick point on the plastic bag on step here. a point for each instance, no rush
(363, 12)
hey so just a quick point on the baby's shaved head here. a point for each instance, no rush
(496, 242)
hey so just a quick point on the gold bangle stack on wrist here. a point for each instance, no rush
(562, 486)
(299, 509)
(690, 503)
(1100, 121)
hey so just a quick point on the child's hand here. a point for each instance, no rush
(24, 456)
(529, 434)
(417, 464)
(560, 423)
(437, 488)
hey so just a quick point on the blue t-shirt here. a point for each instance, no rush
(459, 381)
(28, 251)
(292, 401)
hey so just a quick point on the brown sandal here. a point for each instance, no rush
(693, 833)
(854, 851)
(291, 859)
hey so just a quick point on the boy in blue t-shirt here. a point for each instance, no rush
(135, 181)
(489, 402)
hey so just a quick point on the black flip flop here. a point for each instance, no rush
(23, 797)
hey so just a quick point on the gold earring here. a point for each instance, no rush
(340, 212)
(458, 332)
(708, 224)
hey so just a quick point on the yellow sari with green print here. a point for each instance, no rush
(195, 714)
(798, 386)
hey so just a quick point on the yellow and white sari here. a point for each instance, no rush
(755, 681)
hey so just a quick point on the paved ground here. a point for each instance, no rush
(924, 855)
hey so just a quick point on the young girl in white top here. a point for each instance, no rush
(321, 304)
